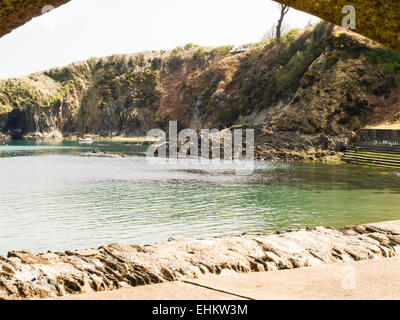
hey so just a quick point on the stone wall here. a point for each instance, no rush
(378, 136)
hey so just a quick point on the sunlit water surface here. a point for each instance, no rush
(56, 197)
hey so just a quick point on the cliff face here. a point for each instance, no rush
(306, 93)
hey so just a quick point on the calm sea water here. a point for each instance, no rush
(55, 197)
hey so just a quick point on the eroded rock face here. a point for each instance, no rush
(24, 275)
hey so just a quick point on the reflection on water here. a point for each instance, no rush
(32, 148)
(58, 200)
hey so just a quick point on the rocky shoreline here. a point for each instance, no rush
(24, 275)
(285, 146)
(292, 146)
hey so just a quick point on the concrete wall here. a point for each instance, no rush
(372, 135)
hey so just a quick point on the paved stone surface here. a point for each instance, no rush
(25, 275)
(376, 279)
(369, 280)
(163, 291)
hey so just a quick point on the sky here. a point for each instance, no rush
(82, 29)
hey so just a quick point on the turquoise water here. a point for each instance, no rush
(32, 148)
(56, 197)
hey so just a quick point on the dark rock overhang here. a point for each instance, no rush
(15, 13)
(376, 19)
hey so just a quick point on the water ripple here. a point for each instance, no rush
(64, 201)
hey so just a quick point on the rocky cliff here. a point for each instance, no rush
(304, 96)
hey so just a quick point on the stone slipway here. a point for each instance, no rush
(377, 279)
(24, 275)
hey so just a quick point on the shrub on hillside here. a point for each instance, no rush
(295, 63)
(221, 52)
(189, 46)
(156, 64)
(174, 63)
(287, 76)
(200, 55)
(60, 75)
(388, 60)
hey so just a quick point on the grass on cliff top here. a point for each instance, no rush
(32, 90)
